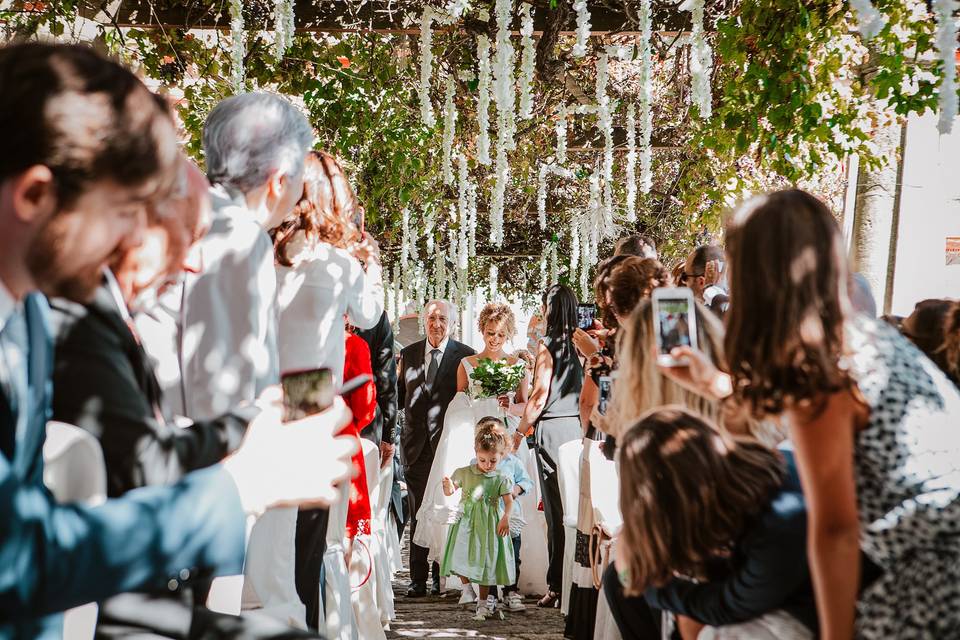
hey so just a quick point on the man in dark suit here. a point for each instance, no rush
(89, 145)
(428, 382)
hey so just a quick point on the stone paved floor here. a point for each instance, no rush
(440, 617)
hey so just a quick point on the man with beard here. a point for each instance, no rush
(88, 148)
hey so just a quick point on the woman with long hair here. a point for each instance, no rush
(326, 269)
(552, 413)
(714, 531)
(873, 420)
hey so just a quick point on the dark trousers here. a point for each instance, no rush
(309, 546)
(516, 563)
(417, 475)
(634, 617)
(553, 513)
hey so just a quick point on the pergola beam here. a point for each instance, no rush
(337, 16)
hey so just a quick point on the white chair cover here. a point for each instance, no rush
(74, 471)
(387, 558)
(338, 622)
(363, 558)
(568, 476)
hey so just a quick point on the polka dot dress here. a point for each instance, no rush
(908, 487)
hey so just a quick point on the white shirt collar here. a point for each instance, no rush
(8, 305)
(442, 347)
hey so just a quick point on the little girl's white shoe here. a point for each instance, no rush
(483, 612)
(515, 602)
(468, 596)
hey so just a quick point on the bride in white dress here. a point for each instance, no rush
(437, 511)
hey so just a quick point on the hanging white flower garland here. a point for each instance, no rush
(605, 123)
(543, 272)
(463, 209)
(574, 243)
(449, 129)
(946, 44)
(561, 153)
(426, 67)
(869, 20)
(631, 169)
(527, 62)
(404, 238)
(428, 223)
(701, 60)
(494, 281)
(498, 196)
(503, 79)
(646, 98)
(238, 46)
(554, 263)
(583, 28)
(472, 206)
(586, 255)
(483, 99)
(545, 171)
(283, 26)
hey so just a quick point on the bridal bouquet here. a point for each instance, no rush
(496, 378)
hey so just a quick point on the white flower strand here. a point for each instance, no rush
(503, 80)
(605, 122)
(527, 62)
(449, 129)
(583, 28)
(238, 46)
(483, 99)
(561, 154)
(426, 67)
(404, 237)
(946, 44)
(631, 169)
(284, 26)
(472, 206)
(574, 243)
(429, 221)
(545, 171)
(701, 60)
(498, 196)
(586, 259)
(494, 281)
(543, 272)
(646, 98)
(554, 263)
(463, 207)
(869, 20)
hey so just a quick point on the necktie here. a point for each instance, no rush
(14, 344)
(434, 365)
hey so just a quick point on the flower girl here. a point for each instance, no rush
(478, 547)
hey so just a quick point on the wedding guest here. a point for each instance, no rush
(621, 283)
(552, 413)
(872, 419)
(363, 404)
(934, 327)
(636, 245)
(702, 272)
(714, 531)
(90, 148)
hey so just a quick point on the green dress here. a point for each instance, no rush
(474, 550)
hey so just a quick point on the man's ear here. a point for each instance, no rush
(33, 194)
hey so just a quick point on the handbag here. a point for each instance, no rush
(605, 502)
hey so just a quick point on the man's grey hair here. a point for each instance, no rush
(250, 136)
(453, 314)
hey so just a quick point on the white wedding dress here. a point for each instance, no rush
(437, 511)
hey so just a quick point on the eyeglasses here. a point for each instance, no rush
(684, 276)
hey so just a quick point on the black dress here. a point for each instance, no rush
(558, 424)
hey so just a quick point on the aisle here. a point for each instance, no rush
(440, 617)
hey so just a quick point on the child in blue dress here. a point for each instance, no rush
(478, 550)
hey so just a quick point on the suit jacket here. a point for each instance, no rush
(424, 407)
(104, 382)
(53, 557)
(380, 341)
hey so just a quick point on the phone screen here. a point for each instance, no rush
(585, 316)
(306, 393)
(673, 315)
(606, 387)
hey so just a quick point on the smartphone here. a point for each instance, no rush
(606, 388)
(585, 316)
(674, 322)
(306, 392)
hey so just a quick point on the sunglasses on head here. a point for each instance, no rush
(684, 276)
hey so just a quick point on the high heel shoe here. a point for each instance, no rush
(550, 600)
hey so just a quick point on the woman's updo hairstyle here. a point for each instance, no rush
(498, 312)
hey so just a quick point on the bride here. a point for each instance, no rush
(437, 511)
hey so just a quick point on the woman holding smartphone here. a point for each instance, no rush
(873, 421)
(552, 413)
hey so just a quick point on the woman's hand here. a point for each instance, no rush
(586, 344)
(504, 401)
(503, 527)
(517, 439)
(600, 421)
(448, 487)
(698, 374)
(367, 250)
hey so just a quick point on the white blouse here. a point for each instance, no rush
(313, 295)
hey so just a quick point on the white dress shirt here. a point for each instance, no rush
(313, 295)
(229, 334)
